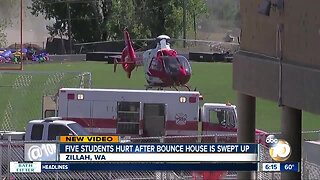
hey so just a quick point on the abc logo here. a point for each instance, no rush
(279, 149)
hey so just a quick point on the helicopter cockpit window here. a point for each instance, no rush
(171, 64)
(185, 63)
(155, 65)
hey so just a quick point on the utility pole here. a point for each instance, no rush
(184, 23)
(195, 27)
(21, 34)
(69, 27)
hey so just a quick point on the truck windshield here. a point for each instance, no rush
(79, 130)
(223, 116)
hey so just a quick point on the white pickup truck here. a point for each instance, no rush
(12, 143)
(45, 130)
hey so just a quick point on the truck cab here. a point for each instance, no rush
(45, 130)
(218, 118)
(52, 127)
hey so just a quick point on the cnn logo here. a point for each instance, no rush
(279, 149)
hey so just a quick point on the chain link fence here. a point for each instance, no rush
(13, 151)
(21, 94)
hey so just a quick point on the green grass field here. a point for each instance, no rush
(213, 80)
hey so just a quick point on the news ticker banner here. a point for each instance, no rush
(109, 149)
(38, 167)
(159, 152)
(279, 149)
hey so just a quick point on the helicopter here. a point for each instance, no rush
(162, 66)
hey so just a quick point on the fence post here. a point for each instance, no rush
(1, 158)
(9, 156)
(303, 170)
(216, 138)
(162, 139)
(57, 175)
(109, 174)
(158, 175)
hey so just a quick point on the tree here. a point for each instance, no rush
(197, 8)
(125, 13)
(145, 18)
(226, 10)
(3, 35)
(86, 17)
(96, 20)
(167, 15)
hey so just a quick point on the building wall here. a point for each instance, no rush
(256, 69)
(301, 21)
